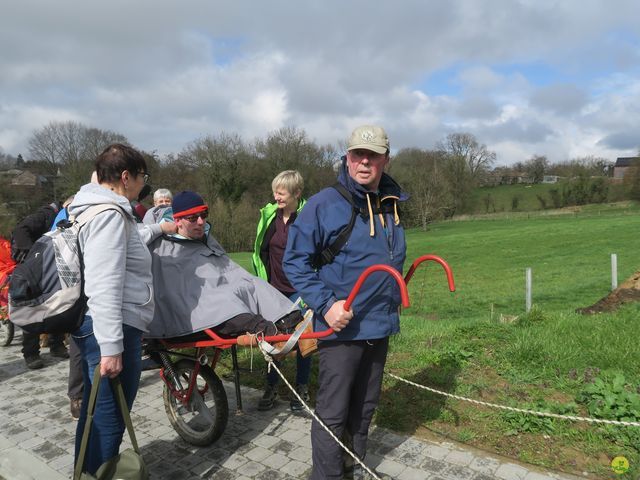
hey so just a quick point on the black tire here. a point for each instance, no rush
(7, 330)
(203, 421)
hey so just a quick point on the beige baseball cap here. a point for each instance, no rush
(369, 137)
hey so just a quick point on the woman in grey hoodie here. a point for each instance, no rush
(119, 288)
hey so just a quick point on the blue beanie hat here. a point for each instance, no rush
(187, 203)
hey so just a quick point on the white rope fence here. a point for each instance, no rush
(514, 409)
(271, 365)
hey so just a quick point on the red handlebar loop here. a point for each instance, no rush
(404, 294)
(432, 258)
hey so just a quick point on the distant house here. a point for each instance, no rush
(623, 164)
(550, 179)
(26, 179)
(23, 178)
(11, 173)
(515, 178)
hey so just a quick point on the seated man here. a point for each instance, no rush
(198, 286)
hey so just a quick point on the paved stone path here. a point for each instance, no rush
(37, 437)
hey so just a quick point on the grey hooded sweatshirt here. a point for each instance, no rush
(117, 267)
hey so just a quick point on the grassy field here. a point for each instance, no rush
(478, 342)
(501, 198)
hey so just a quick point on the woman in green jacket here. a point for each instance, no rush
(271, 241)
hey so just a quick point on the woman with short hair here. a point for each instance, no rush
(271, 241)
(119, 290)
(162, 199)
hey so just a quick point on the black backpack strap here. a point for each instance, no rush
(329, 253)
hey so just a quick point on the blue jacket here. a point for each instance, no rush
(316, 227)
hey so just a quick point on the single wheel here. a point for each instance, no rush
(7, 331)
(204, 418)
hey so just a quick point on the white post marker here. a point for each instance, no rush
(614, 271)
(528, 289)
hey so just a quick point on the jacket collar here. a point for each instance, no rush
(388, 186)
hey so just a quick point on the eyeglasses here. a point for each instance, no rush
(145, 177)
(194, 218)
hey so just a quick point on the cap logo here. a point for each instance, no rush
(367, 136)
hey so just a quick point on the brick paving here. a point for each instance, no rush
(37, 437)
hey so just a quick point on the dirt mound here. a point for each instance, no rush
(627, 292)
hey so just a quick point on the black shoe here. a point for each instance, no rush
(287, 324)
(59, 351)
(149, 364)
(357, 473)
(295, 404)
(268, 400)
(34, 362)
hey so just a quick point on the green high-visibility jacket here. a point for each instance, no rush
(260, 257)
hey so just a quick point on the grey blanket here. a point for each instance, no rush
(198, 286)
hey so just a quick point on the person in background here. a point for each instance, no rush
(63, 214)
(271, 239)
(75, 382)
(352, 359)
(119, 290)
(30, 229)
(138, 209)
(161, 201)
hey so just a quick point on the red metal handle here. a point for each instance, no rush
(404, 294)
(432, 258)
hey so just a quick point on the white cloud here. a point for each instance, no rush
(526, 77)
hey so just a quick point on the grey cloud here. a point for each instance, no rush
(481, 107)
(561, 99)
(518, 130)
(627, 140)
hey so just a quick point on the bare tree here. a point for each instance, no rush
(466, 163)
(68, 143)
(43, 145)
(582, 166)
(290, 149)
(536, 167)
(6, 161)
(478, 158)
(70, 149)
(422, 174)
(223, 163)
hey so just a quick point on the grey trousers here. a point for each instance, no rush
(349, 383)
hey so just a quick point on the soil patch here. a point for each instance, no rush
(627, 292)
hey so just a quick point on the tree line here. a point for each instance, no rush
(234, 175)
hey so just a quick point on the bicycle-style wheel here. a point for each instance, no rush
(203, 420)
(7, 330)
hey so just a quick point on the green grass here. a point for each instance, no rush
(568, 254)
(500, 198)
(457, 343)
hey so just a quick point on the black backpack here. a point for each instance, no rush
(46, 291)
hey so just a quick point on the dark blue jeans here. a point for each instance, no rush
(303, 365)
(108, 427)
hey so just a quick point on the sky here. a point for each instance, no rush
(528, 77)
